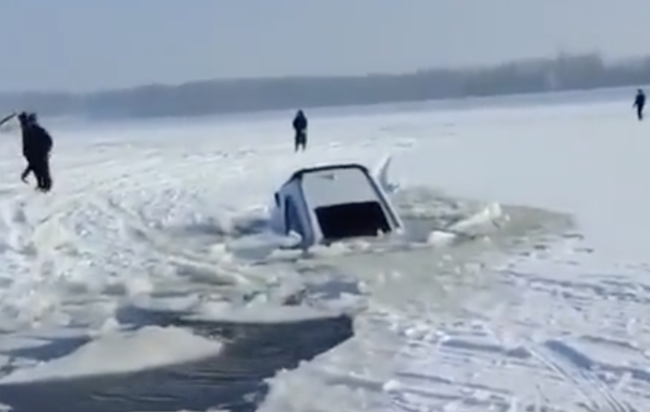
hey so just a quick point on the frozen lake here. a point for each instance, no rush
(123, 289)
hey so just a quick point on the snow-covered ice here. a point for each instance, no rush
(536, 301)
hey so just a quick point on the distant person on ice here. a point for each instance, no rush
(37, 144)
(300, 127)
(639, 103)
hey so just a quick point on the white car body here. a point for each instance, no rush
(325, 204)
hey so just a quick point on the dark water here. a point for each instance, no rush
(233, 380)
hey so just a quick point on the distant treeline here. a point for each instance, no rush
(562, 73)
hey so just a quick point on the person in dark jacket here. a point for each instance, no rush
(37, 145)
(300, 127)
(639, 104)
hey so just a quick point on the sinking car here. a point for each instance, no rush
(326, 204)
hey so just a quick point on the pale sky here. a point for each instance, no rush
(82, 45)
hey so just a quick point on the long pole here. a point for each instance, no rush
(7, 118)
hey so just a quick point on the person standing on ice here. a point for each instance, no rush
(300, 127)
(37, 145)
(639, 103)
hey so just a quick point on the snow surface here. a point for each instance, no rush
(535, 302)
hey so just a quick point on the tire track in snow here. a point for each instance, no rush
(474, 373)
(557, 340)
(598, 395)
